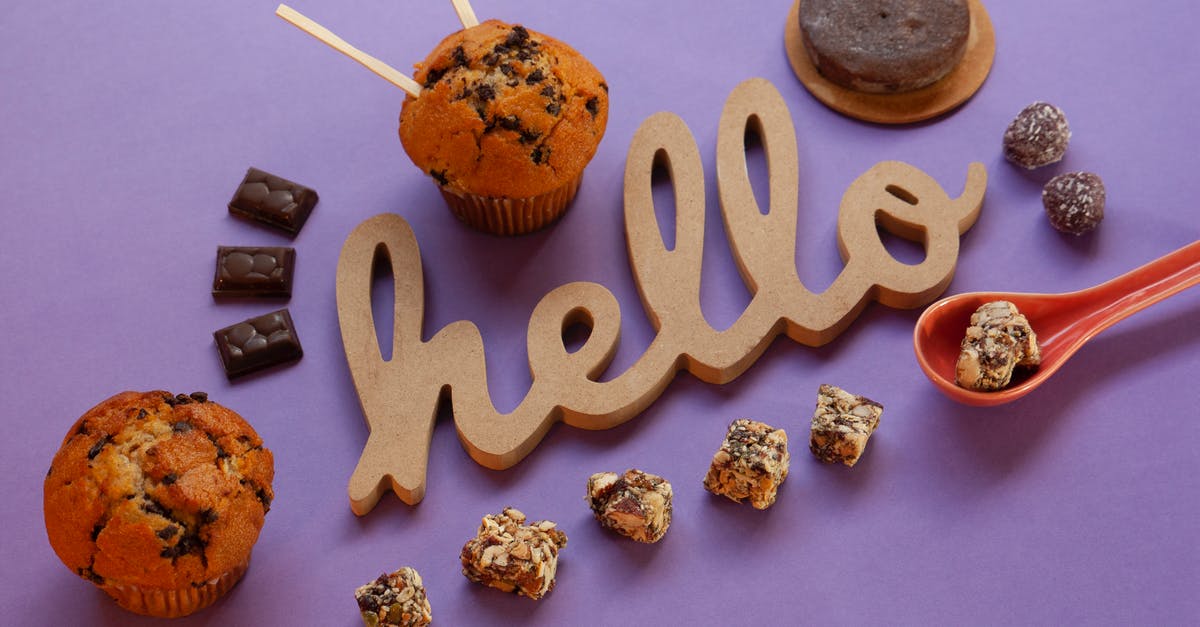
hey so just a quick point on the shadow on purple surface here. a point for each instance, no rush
(999, 439)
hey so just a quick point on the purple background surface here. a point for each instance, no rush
(125, 127)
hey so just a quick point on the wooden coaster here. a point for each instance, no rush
(400, 397)
(960, 84)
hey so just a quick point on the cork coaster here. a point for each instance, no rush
(960, 84)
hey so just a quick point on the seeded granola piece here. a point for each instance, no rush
(394, 600)
(998, 341)
(509, 555)
(842, 424)
(751, 463)
(636, 504)
(1074, 202)
(1038, 136)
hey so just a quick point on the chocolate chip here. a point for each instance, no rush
(154, 507)
(168, 532)
(548, 91)
(433, 77)
(535, 77)
(466, 93)
(169, 399)
(440, 177)
(553, 108)
(142, 414)
(191, 543)
(509, 122)
(83, 428)
(170, 479)
(593, 106)
(199, 397)
(507, 69)
(263, 498)
(491, 59)
(368, 603)
(485, 92)
(182, 399)
(540, 155)
(518, 37)
(529, 136)
(208, 516)
(87, 573)
(500, 49)
(460, 57)
(524, 54)
(101, 443)
(181, 427)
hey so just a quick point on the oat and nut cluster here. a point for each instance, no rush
(998, 342)
(842, 424)
(522, 558)
(394, 600)
(509, 555)
(751, 464)
(635, 504)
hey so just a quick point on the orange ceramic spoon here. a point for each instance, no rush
(1063, 322)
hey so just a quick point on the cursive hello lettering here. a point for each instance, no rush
(400, 397)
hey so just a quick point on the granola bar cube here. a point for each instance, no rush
(842, 424)
(636, 504)
(394, 600)
(998, 341)
(509, 555)
(751, 464)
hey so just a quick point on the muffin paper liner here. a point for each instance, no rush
(512, 216)
(177, 602)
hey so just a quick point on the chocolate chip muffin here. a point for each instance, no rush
(884, 46)
(158, 500)
(505, 124)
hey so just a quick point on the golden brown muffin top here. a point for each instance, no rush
(504, 112)
(158, 491)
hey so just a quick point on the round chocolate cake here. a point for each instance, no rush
(884, 46)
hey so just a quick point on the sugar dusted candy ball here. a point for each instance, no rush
(1074, 202)
(1038, 136)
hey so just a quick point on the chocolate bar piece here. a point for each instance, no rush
(258, 343)
(254, 271)
(273, 200)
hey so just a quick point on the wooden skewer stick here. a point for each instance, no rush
(466, 14)
(383, 70)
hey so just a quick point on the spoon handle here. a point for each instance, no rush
(1139, 288)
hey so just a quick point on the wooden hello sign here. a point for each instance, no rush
(400, 397)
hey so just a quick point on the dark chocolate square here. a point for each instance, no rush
(254, 271)
(273, 200)
(258, 343)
